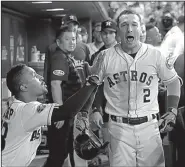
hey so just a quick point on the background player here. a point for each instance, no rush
(64, 83)
(24, 116)
(153, 36)
(130, 71)
(108, 34)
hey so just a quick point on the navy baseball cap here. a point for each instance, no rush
(69, 18)
(109, 25)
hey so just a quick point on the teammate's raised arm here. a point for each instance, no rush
(75, 103)
(98, 67)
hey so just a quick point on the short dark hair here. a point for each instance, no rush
(127, 12)
(149, 26)
(13, 78)
(63, 29)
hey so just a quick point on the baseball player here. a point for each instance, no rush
(153, 35)
(108, 34)
(130, 71)
(24, 115)
(171, 41)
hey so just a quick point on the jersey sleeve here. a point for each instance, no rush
(59, 68)
(35, 114)
(166, 71)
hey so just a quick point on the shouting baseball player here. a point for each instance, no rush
(24, 115)
(131, 71)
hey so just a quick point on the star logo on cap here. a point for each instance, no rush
(108, 23)
(71, 17)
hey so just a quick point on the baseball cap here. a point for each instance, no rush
(82, 30)
(69, 18)
(180, 19)
(109, 25)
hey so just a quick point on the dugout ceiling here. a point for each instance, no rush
(82, 9)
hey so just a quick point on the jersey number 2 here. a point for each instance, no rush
(146, 96)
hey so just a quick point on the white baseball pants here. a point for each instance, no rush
(135, 145)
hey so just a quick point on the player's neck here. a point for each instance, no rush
(25, 98)
(112, 44)
(98, 44)
(131, 50)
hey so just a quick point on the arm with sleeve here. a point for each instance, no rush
(36, 114)
(59, 73)
(170, 78)
(99, 59)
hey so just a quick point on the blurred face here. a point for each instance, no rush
(79, 38)
(143, 33)
(130, 30)
(73, 26)
(153, 36)
(84, 38)
(67, 41)
(108, 37)
(97, 34)
(34, 82)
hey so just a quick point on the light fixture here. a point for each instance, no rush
(59, 15)
(42, 2)
(54, 9)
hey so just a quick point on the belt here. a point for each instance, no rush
(132, 121)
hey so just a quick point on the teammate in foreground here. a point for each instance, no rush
(24, 115)
(131, 71)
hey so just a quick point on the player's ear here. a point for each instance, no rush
(57, 41)
(23, 87)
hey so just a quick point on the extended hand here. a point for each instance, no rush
(167, 122)
(97, 65)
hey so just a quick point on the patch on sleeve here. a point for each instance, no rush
(169, 64)
(58, 72)
(40, 108)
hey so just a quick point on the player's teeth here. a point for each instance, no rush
(130, 39)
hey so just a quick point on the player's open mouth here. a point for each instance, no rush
(130, 39)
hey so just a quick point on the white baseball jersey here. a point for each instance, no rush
(21, 128)
(131, 85)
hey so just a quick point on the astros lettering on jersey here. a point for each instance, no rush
(22, 122)
(130, 84)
